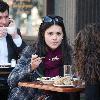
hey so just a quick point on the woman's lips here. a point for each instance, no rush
(54, 43)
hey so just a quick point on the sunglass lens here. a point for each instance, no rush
(53, 19)
(58, 19)
(47, 19)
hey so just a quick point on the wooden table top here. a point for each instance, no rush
(5, 70)
(50, 87)
(4, 73)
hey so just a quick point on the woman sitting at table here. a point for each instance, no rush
(45, 58)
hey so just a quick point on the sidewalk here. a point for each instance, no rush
(82, 96)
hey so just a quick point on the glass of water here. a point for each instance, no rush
(67, 70)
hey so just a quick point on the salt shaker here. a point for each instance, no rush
(13, 63)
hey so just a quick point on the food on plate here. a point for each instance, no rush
(63, 81)
(58, 80)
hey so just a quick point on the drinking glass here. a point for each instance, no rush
(67, 70)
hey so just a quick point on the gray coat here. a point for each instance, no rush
(22, 72)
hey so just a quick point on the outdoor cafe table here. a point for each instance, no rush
(5, 71)
(49, 87)
(4, 88)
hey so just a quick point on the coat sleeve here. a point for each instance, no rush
(22, 71)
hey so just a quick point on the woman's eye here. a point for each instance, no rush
(58, 33)
(50, 33)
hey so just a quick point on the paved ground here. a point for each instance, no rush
(82, 96)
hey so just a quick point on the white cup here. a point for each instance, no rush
(13, 63)
(11, 30)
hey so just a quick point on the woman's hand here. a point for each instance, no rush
(35, 61)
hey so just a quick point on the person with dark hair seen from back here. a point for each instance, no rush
(52, 43)
(11, 43)
(87, 59)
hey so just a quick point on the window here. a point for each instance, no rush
(27, 15)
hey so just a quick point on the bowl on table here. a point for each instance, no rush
(46, 80)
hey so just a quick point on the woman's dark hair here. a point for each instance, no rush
(4, 6)
(87, 53)
(66, 49)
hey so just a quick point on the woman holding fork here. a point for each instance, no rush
(46, 58)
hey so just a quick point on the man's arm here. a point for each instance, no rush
(16, 36)
(22, 45)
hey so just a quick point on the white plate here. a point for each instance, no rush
(42, 78)
(4, 67)
(48, 81)
(64, 85)
(7, 64)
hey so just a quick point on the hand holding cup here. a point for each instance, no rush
(11, 30)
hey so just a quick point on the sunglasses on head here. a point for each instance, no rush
(47, 19)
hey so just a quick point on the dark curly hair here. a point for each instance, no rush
(87, 53)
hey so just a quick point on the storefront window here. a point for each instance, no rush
(27, 14)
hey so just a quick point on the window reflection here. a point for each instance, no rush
(27, 14)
